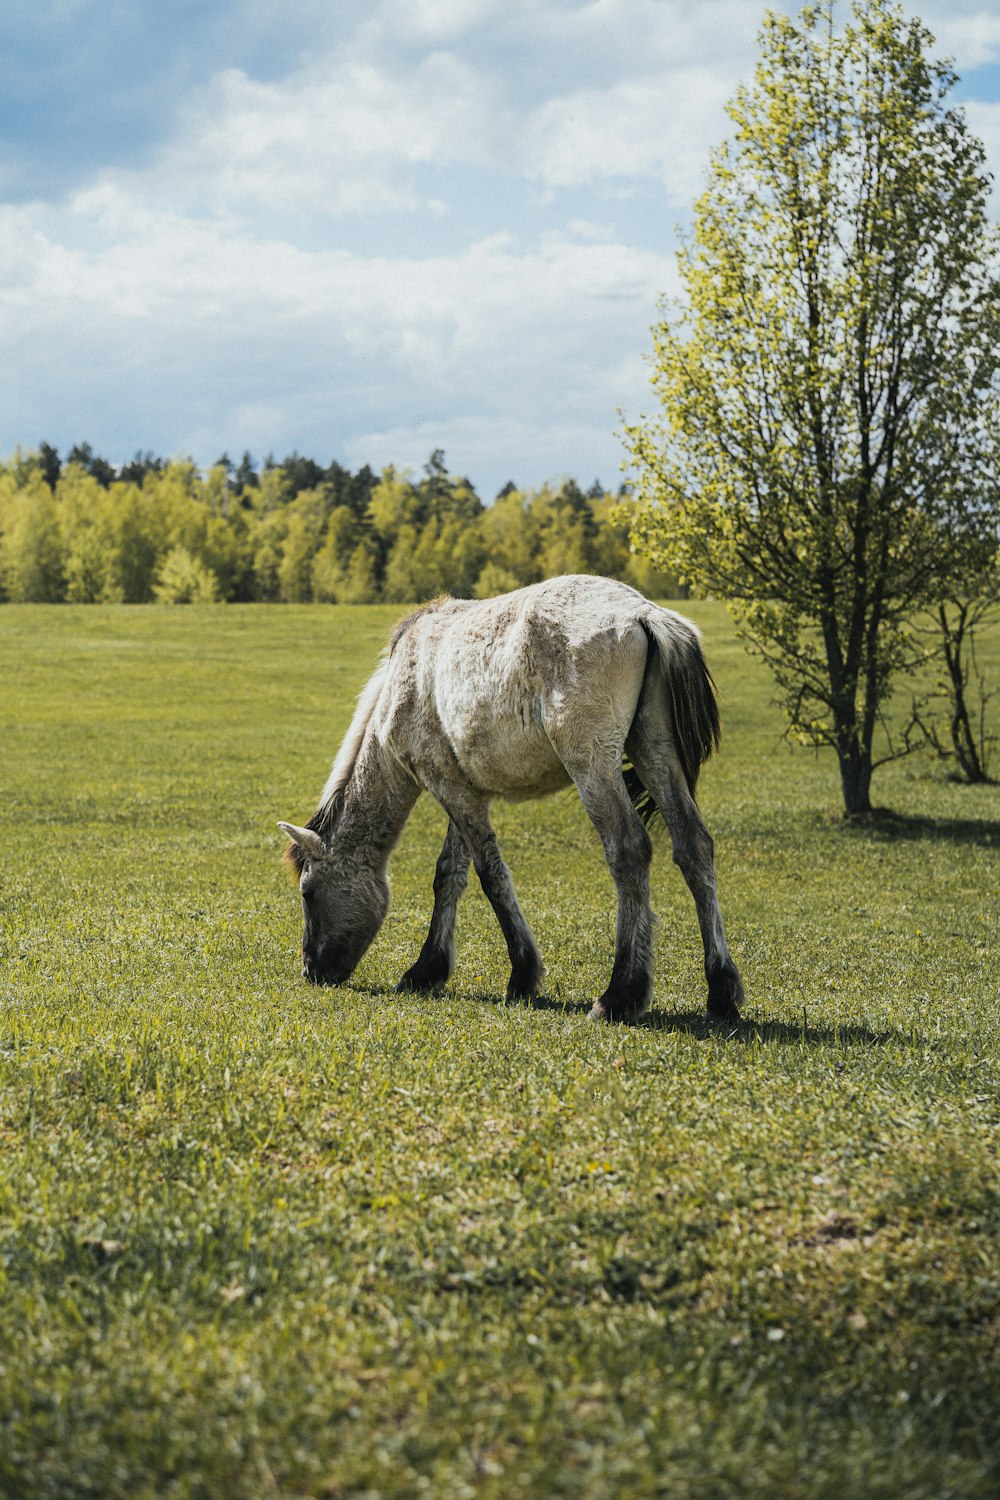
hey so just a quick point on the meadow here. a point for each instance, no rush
(259, 1239)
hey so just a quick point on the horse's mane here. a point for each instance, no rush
(325, 817)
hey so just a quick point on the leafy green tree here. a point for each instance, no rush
(299, 474)
(430, 564)
(51, 467)
(185, 506)
(332, 561)
(400, 584)
(962, 734)
(86, 512)
(355, 490)
(91, 463)
(184, 579)
(89, 577)
(32, 549)
(511, 537)
(245, 476)
(216, 489)
(141, 464)
(306, 516)
(138, 540)
(360, 585)
(265, 539)
(494, 580)
(567, 527)
(442, 496)
(826, 380)
(462, 553)
(393, 504)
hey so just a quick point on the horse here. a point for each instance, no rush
(576, 680)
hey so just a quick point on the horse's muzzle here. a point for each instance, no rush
(319, 973)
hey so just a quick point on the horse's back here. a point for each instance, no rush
(505, 693)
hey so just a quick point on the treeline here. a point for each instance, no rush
(83, 532)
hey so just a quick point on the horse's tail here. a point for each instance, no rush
(676, 655)
(325, 816)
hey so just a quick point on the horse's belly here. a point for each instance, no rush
(495, 734)
(502, 749)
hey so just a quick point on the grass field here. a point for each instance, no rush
(262, 1240)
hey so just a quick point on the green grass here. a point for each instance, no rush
(262, 1240)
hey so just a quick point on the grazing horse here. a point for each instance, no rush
(578, 679)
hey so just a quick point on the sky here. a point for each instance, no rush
(364, 230)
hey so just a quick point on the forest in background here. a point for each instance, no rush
(83, 532)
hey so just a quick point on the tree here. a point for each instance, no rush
(359, 585)
(441, 495)
(828, 378)
(953, 622)
(137, 540)
(399, 583)
(306, 517)
(86, 510)
(330, 565)
(32, 552)
(184, 579)
(494, 580)
(511, 536)
(245, 476)
(355, 490)
(393, 505)
(300, 474)
(48, 459)
(141, 464)
(84, 455)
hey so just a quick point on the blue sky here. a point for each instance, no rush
(360, 229)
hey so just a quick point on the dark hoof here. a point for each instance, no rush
(422, 978)
(524, 984)
(616, 1006)
(725, 993)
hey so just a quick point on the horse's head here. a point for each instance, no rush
(343, 905)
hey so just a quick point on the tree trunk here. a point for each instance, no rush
(856, 779)
(967, 751)
(852, 733)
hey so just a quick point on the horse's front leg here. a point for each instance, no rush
(468, 812)
(437, 957)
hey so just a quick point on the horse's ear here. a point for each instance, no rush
(306, 839)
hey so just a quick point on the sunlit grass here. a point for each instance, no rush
(259, 1239)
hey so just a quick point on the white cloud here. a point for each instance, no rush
(970, 36)
(439, 20)
(339, 137)
(659, 126)
(345, 133)
(262, 343)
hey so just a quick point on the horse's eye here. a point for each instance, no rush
(308, 897)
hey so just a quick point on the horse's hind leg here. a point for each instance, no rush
(655, 760)
(694, 854)
(628, 851)
(469, 815)
(437, 957)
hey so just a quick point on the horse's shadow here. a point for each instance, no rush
(748, 1029)
(754, 1029)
